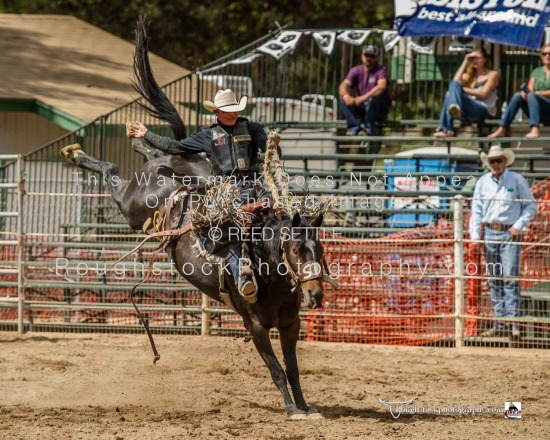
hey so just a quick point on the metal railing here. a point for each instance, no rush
(12, 190)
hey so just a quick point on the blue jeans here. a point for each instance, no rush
(536, 106)
(234, 262)
(515, 104)
(369, 112)
(533, 106)
(472, 110)
(502, 262)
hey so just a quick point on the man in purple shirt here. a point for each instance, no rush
(369, 101)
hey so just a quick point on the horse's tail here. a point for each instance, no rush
(160, 106)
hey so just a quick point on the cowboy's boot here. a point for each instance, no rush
(247, 284)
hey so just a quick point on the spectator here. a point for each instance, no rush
(472, 93)
(232, 145)
(364, 95)
(534, 100)
(504, 205)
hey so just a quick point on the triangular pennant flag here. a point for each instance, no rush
(354, 37)
(325, 41)
(390, 39)
(424, 45)
(462, 44)
(284, 43)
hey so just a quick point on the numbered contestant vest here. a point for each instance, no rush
(233, 152)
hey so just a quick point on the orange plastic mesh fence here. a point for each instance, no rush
(393, 290)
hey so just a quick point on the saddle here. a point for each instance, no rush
(161, 219)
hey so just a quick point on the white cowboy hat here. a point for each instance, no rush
(498, 151)
(225, 101)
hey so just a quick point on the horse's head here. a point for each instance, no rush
(302, 253)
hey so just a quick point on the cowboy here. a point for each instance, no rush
(232, 145)
(504, 206)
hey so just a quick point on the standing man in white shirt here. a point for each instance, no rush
(504, 205)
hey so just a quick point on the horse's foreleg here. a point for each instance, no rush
(260, 336)
(289, 337)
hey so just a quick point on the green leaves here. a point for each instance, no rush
(192, 33)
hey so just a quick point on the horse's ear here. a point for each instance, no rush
(296, 220)
(317, 221)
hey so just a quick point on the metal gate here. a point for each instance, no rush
(12, 189)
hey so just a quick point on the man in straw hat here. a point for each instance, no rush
(232, 145)
(504, 206)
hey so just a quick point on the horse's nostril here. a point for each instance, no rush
(309, 291)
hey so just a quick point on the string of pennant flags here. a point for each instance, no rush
(285, 43)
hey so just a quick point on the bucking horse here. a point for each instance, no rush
(280, 292)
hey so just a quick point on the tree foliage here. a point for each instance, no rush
(192, 33)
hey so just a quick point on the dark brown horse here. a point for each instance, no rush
(281, 257)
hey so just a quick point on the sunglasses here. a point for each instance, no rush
(545, 54)
(496, 160)
(369, 55)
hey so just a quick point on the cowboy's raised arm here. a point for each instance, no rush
(196, 143)
(192, 144)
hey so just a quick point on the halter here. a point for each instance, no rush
(297, 278)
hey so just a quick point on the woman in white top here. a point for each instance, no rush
(472, 93)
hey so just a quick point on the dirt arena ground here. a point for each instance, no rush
(57, 386)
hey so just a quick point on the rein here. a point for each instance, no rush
(165, 236)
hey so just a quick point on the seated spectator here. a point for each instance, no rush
(369, 100)
(534, 100)
(472, 94)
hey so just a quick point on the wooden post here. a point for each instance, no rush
(459, 269)
(205, 321)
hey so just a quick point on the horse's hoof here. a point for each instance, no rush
(298, 415)
(129, 129)
(70, 151)
(315, 415)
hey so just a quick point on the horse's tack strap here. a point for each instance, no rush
(224, 294)
(226, 298)
(141, 318)
(251, 207)
(173, 233)
(184, 190)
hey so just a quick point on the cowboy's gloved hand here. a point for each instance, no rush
(137, 130)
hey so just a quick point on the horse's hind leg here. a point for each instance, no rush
(141, 146)
(144, 148)
(109, 171)
(261, 340)
(289, 337)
